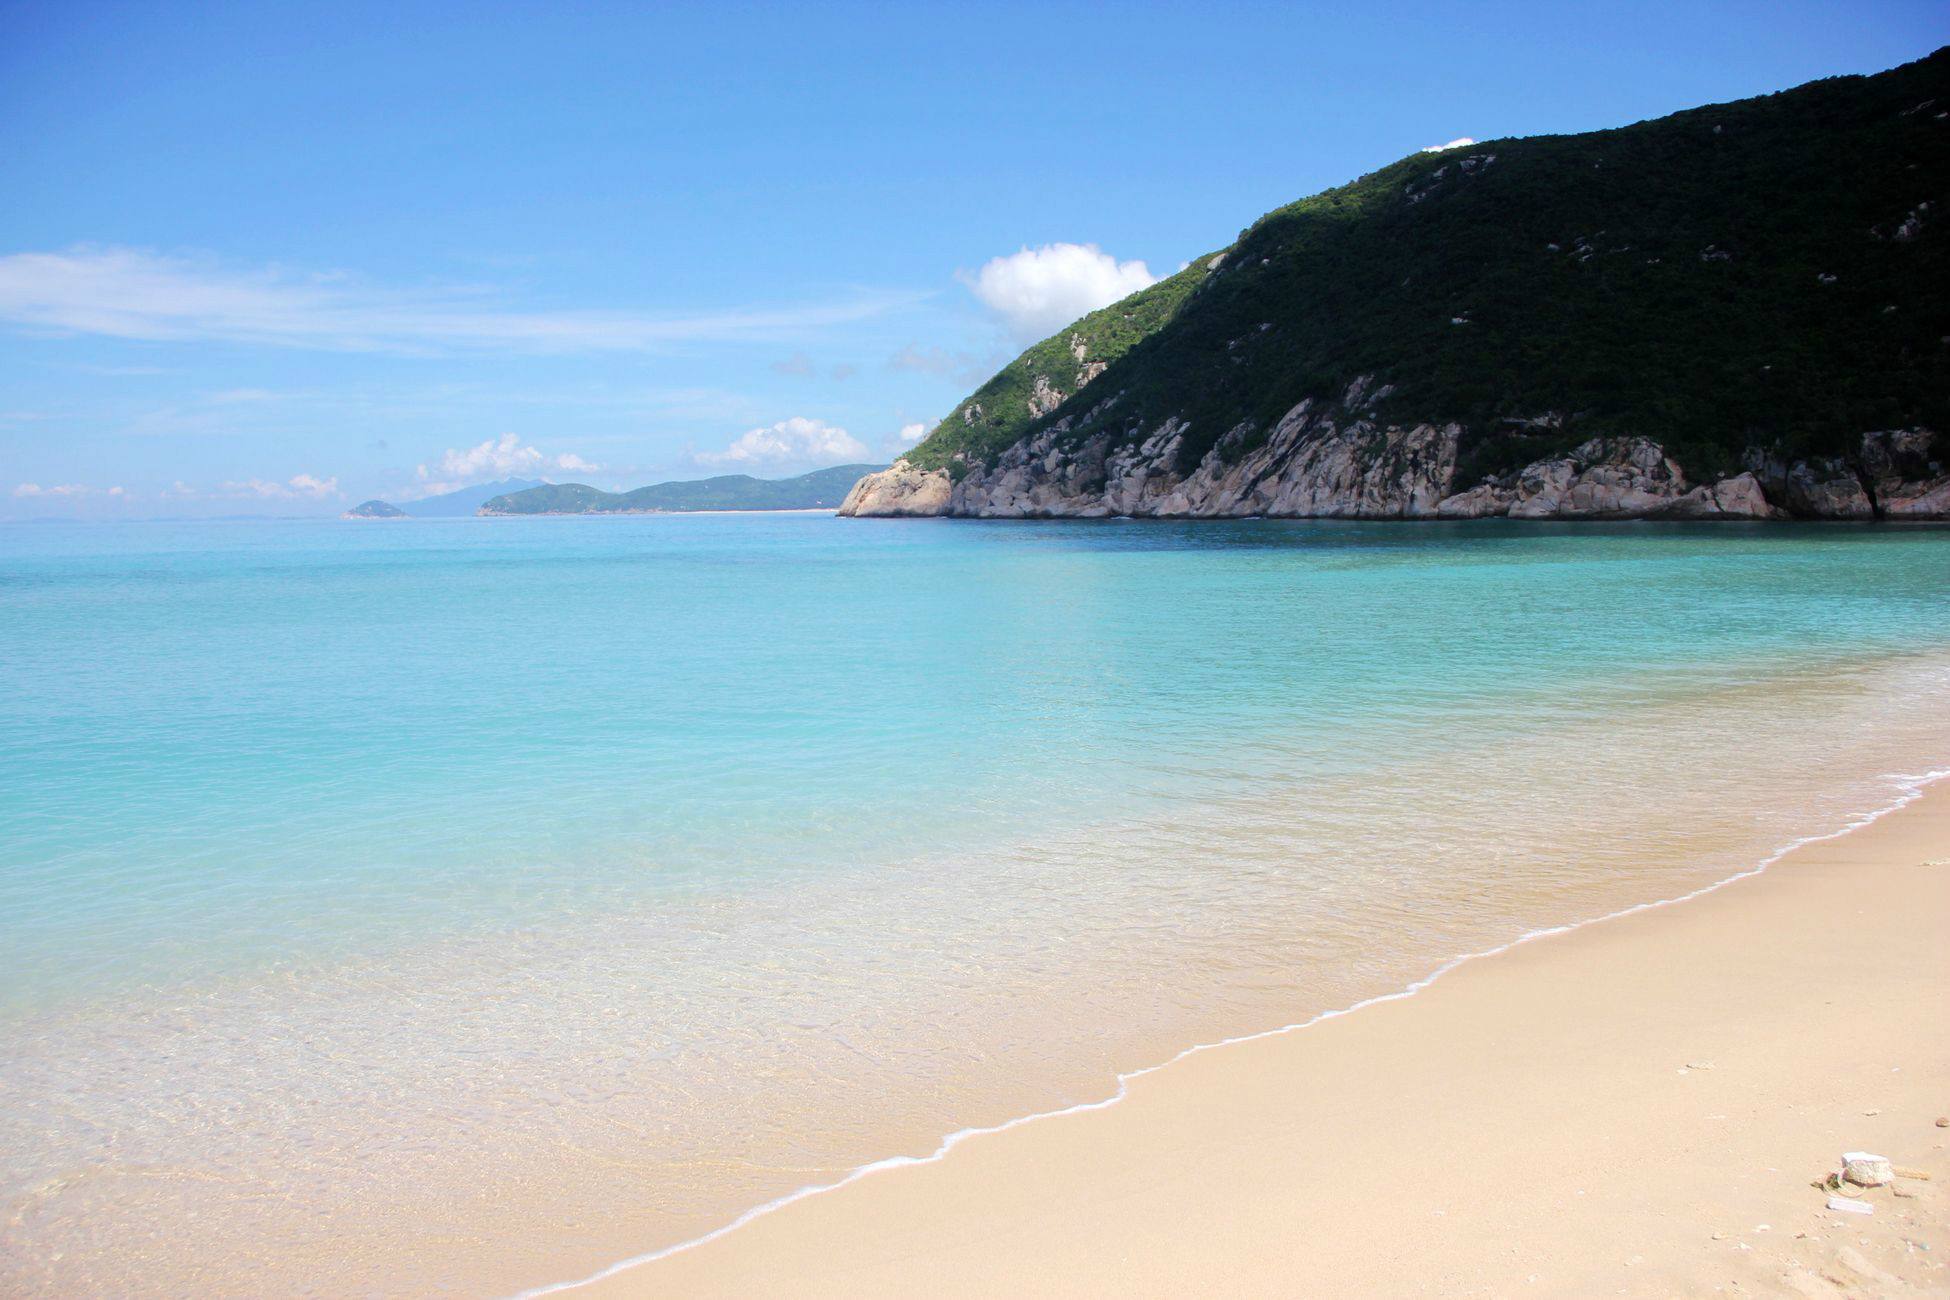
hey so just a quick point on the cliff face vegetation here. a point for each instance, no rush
(1739, 310)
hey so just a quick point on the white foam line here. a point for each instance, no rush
(1911, 788)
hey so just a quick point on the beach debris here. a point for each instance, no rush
(1699, 1065)
(1904, 1171)
(1866, 1169)
(1843, 1205)
(1943, 1121)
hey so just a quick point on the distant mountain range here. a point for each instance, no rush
(823, 489)
(457, 504)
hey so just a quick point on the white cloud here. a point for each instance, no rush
(1039, 290)
(1457, 143)
(297, 487)
(798, 364)
(55, 490)
(797, 443)
(503, 457)
(910, 434)
(133, 293)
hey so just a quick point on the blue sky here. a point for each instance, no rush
(280, 258)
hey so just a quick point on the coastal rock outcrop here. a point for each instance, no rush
(1896, 474)
(1905, 470)
(1610, 478)
(1316, 462)
(1336, 460)
(899, 490)
(1823, 488)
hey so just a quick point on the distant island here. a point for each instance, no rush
(823, 489)
(458, 504)
(1735, 312)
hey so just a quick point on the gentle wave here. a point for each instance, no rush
(1911, 788)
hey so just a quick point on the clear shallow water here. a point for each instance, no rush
(466, 904)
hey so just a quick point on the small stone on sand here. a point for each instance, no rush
(1846, 1206)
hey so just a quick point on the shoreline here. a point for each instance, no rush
(712, 1260)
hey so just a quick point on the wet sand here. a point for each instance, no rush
(1636, 1107)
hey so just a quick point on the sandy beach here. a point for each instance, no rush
(1635, 1107)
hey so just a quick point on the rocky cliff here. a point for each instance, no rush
(1737, 312)
(1336, 461)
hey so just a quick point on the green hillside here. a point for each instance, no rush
(1001, 411)
(821, 489)
(1770, 272)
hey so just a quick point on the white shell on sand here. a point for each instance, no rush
(1847, 1206)
(1867, 1170)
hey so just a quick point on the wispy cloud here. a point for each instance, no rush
(31, 490)
(1461, 141)
(797, 443)
(138, 294)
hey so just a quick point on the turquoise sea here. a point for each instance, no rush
(422, 905)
